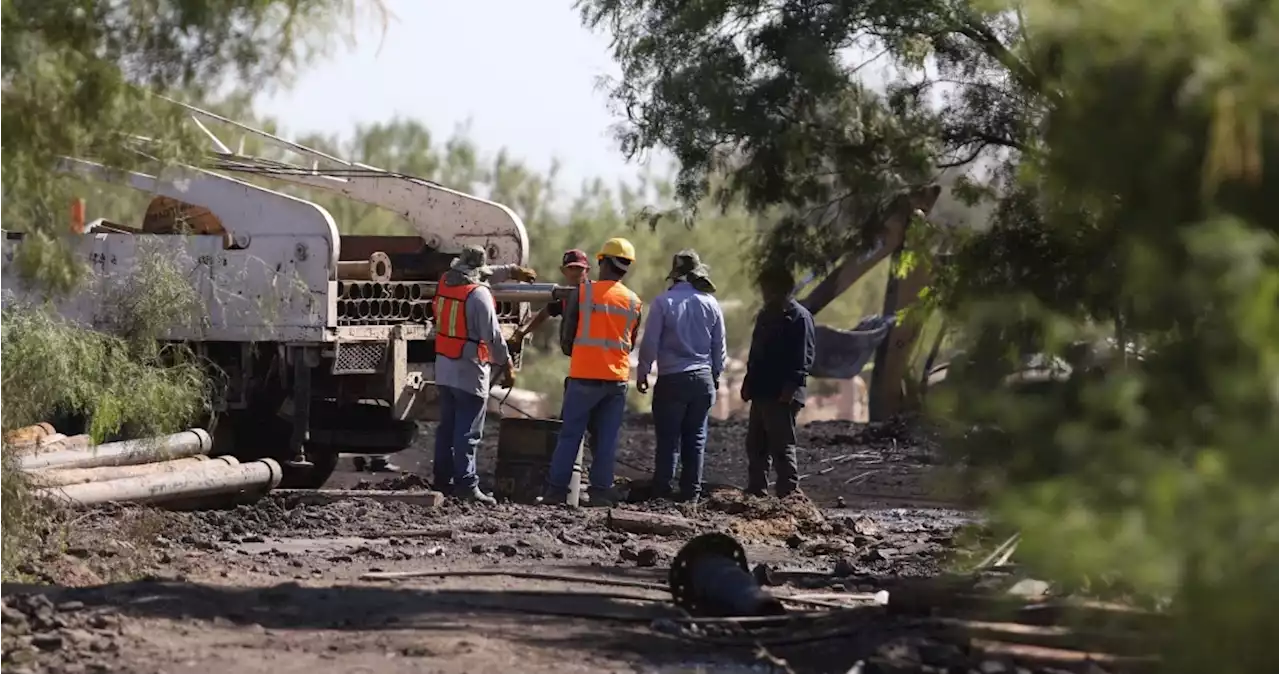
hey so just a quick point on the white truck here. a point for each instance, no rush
(324, 342)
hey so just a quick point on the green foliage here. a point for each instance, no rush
(769, 94)
(1147, 221)
(1125, 153)
(124, 382)
(83, 79)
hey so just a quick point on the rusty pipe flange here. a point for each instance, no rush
(710, 577)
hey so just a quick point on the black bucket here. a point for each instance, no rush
(525, 447)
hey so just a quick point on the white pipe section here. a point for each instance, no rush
(214, 477)
(127, 453)
(57, 477)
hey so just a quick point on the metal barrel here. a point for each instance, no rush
(525, 447)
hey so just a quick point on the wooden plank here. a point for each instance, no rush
(650, 523)
(1058, 656)
(1114, 642)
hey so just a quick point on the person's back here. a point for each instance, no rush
(782, 352)
(685, 335)
(597, 332)
(600, 334)
(692, 331)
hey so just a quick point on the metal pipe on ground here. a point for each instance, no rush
(710, 577)
(58, 443)
(212, 478)
(127, 453)
(537, 293)
(29, 434)
(58, 477)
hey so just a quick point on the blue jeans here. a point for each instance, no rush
(596, 403)
(681, 405)
(458, 438)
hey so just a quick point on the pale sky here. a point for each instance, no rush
(523, 72)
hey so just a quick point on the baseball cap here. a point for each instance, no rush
(575, 258)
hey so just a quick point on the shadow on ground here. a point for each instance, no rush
(604, 622)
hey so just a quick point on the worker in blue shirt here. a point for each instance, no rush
(685, 335)
(782, 350)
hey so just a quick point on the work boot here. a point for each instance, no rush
(601, 498)
(381, 464)
(553, 497)
(686, 497)
(475, 495)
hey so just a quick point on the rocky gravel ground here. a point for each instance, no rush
(282, 586)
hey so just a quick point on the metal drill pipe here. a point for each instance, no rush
(58, 477)
(709, 577)
(537, 293)
(214, 477)
(29, 435)
(126, 453)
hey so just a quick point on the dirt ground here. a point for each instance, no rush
(278, 587)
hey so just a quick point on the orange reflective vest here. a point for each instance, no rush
(608, 313)
(451, 321)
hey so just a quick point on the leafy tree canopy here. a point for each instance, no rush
(770, 92)
(80, 79)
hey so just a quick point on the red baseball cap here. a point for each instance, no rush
(575, 258)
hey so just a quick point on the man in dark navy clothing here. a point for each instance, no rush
(782, 349)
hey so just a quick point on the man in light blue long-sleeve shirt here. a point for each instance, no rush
(685, 335)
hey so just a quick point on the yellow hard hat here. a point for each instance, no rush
(619, 248)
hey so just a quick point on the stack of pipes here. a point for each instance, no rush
(380, 303)
(173, 470)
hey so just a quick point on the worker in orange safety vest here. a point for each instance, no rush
(598, 332)
(468, 341)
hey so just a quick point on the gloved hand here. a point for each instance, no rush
(642, 385)
(715, 383)
(746, 397)
(524, 274)
(507, 378)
